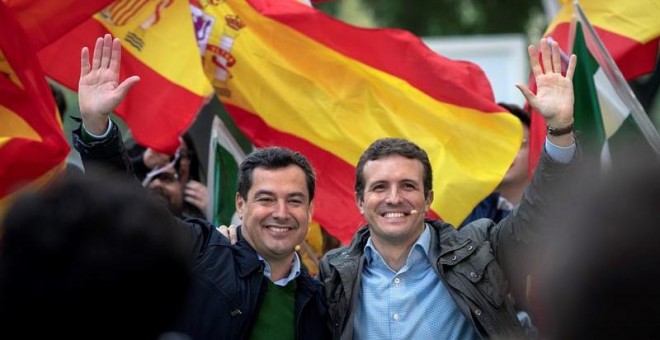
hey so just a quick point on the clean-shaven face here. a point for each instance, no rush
(393, 188)
(277, 211)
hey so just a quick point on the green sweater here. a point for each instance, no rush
(276, 318)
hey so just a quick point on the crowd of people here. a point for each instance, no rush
(130, 262)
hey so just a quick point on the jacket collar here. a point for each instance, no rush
(246, 257)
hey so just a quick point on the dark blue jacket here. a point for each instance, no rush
(229, 283)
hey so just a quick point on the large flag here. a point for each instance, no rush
(290, 75)
(607, 115)
(32, 145)
(159, 45)
(629, 31)
(46, 21)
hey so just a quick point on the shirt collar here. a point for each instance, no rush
(293, 274)
(423, 243)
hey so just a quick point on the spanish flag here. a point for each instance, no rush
(159, 45)
(290, 75)
(32, 145)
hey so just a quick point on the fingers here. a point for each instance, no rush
(533, 52)
(85, 68)
(115, 56)
(96, 58)
(196, 194)
(229, 232)
(546, 56)
(571, 67)
(556, 57)
(107, 51)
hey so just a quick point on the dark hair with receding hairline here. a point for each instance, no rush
(273, 158)
(385, 147)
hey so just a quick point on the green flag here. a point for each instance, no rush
(225, 155)
(608, 117)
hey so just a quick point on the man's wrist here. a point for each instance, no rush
(560, 131)
(89, 136)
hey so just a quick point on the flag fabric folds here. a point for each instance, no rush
(46, 21)
(159, 45)
(32, 145)
(607, 114)
(290, 75)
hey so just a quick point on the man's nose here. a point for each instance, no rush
(281, 209)
(393, 196)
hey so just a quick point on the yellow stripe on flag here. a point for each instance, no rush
(621, 17)
(160, 34)
(13, 126)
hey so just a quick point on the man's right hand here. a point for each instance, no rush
(231, 232)
(99, 90)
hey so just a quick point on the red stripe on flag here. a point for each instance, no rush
(46, 21)
(22, 161)
(156, 110)
(334, 202)
(441, 78)
(633, 58)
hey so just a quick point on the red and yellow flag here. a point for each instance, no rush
(290, 75)
(32, 143)
(158, 45)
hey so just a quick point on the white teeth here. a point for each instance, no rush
(280, 229)
(394, 214)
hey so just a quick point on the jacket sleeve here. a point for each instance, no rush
(106, 156)
(517, 239)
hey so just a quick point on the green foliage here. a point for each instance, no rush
(447, 17)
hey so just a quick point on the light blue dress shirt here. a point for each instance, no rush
(409, 304)
(293, 274)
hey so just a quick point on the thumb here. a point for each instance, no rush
(527, 93)
(126, 85)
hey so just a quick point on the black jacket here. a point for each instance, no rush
(229, 283)
(475, 263)
(229, 287)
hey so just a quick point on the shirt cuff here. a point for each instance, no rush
(560, 154)
(90, 136)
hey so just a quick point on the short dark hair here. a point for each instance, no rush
(273, 158)
(517, 111)
(93, 258)
(385, 147)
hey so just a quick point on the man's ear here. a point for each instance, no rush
(310, 212)
(240, 205)
(360, 203)
(428, 201)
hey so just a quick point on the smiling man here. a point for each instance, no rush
(256, 288)
(404, 277)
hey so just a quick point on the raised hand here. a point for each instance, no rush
(554, 95)
(99, 90)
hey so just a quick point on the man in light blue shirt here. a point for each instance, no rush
(404, 277)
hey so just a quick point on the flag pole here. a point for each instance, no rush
(621, 86)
